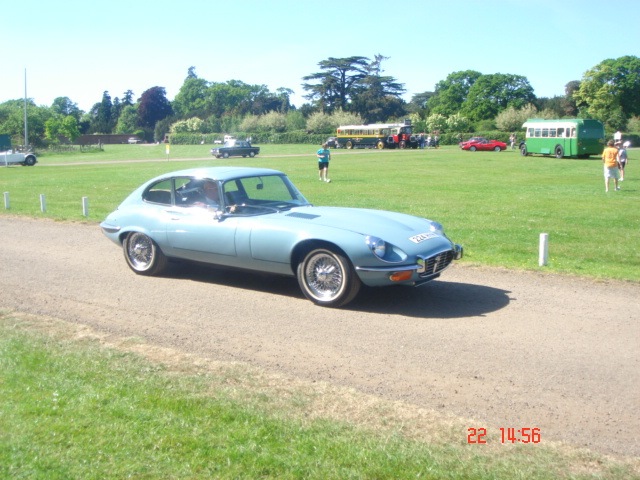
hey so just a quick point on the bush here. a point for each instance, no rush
(257, 138)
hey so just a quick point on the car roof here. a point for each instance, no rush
(219, 173)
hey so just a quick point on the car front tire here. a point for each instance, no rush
(143, 254)
(327, 278)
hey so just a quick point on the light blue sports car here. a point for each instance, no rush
(256, 219)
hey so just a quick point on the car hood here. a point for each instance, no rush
(393, 227)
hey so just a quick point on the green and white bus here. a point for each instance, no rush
(563, 138)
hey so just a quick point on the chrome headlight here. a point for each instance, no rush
(436, 227)
(386, 252)
(377, 246)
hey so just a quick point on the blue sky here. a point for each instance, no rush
(80, 49)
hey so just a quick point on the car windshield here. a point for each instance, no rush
(261, 194)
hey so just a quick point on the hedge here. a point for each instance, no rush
(318, 139)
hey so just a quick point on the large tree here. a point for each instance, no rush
(153, 106)
(336, 82)
(611, 90)
(355, 84)
(102, 120)
(64, 106)
(452, 92)
(491, 94)
(377, 97)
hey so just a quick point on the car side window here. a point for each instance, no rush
(159, 193)
(189, 191)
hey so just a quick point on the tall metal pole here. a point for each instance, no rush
(26, 129)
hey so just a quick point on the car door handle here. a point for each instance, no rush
(174, 215)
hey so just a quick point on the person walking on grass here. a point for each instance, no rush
(324, 155)
(622, 159)
(611, 165)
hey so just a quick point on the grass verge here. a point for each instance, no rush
(76, 405)
(495, 204)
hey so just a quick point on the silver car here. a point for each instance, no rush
(257, 220)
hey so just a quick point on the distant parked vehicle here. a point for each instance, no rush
(332, 142)
(483, 144)
(472, 140)
(134, 140)
(10, 157)
(563, 138)
(235, 148)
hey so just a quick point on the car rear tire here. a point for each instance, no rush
(143, 254)
(497, 149)
(30, 161)
(327, 278)
(252, 154)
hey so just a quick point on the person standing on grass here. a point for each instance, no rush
(610, 160)
(324, 155)
(622, 159)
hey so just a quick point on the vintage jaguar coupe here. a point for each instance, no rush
(256, 219)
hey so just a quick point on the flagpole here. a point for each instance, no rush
(26, 130)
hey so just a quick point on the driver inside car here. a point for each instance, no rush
(211, 194)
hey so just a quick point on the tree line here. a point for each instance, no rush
(343, 90)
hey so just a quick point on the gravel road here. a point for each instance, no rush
(505, 348)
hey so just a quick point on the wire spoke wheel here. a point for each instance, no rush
(143, 255)
(327, 278)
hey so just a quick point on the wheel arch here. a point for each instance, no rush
(304, 247)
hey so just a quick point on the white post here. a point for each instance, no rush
(43, 203)
(85, 206)
(544, 249)
(7, 203)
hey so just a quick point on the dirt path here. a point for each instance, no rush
(509, 349)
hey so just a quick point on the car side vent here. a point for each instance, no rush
(306, 216)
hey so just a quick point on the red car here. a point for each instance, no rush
(481, 143)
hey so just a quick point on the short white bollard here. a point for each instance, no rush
(85, 206)
(7, 203)
(43, 203)
(544, 249)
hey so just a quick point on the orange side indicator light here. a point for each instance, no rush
(401, 276)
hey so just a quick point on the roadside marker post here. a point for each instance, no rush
(543, 258)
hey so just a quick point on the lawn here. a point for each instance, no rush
(495, 204)
(72, 409)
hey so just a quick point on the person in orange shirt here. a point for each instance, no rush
(611, 165)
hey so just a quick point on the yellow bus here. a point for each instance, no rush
(377, 135)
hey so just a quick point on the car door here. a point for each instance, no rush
(485, 145)
(198, 232)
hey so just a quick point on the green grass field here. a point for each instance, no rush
(73, 409)
(495, 204)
